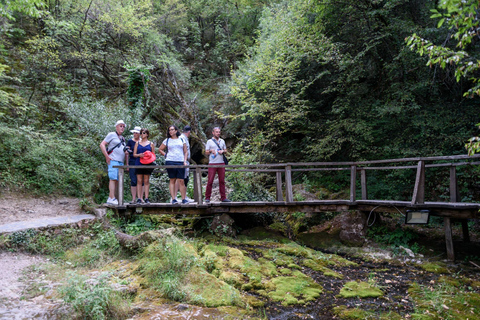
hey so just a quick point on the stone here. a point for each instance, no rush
(353, 228)
(222, 226)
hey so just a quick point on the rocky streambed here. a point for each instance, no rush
(258, 275)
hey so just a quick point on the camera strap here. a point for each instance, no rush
(122, 140)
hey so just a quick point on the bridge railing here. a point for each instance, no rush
(284, 183)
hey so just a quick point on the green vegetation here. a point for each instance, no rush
(93, 299)
(445, 299)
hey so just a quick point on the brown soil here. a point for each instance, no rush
(18, 207)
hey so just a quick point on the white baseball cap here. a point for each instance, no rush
(136, 130)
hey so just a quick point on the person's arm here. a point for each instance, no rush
(209, 150)
(185, 153)
(103, 147)
(161, 149)
(135, 154)
(224, 151)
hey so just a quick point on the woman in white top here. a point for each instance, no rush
(174, 149)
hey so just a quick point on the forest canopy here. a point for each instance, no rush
(294, 80)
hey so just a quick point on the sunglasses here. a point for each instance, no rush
(143, 133)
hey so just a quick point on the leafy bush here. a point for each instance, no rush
(47, 163)
(93, 298)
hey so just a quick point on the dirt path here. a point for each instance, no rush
(13, 304)
(15, 208)
(20, 208)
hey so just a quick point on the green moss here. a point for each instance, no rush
(360, 289)
(232, 278)
(296, 250)
(315, 265)
(435, 267)
(253, 302)
(285, 271)
(204, 289)
(295, 289)
(278, 258)
(443, 300)
(343, 312)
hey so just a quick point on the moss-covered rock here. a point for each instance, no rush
(435, 267)
(362, 289)
(205, 289)
(290, 290)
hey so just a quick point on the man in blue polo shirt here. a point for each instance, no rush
(113, 149)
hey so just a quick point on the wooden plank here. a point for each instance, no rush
(120, 187)
(466, 235)
(198, 197)
(353, 179)
(419, 189)
(453, 184)
(449, 239)
(363, 182)
(279, 186)
(288, 184)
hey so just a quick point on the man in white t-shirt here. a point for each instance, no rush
(215, 149)
(113, 149)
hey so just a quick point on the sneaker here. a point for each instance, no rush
(174, 201)
(226, 200)
(112, 201)
(147, 201)
(133, 201)
(189, 200)
(207, 200)
(185, 201)
(139, 201)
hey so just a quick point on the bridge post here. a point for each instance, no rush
(448, 238)
(288, 183)
(279, 186)
(363, 182)
(197, 185)
(455, 197)
(120, 186)
(419, 189)
(454, 194)
(353, 179)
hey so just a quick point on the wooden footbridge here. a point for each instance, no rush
(451, 211)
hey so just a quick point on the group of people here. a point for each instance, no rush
(176, 150)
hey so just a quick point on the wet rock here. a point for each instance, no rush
(352, 226)
(222, 226)
(407, 251)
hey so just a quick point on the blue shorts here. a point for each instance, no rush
(175, 173)
(113, 172)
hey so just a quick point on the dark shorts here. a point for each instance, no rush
(175, 173)
(144, 171)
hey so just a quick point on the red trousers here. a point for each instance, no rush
(212, 170)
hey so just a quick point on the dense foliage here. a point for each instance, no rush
(291, 80)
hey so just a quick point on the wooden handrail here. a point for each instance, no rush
(418, 195)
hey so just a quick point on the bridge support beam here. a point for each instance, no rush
(449, 239)
(120, 186)
(288, 184)
(353, 179)
(279, 186)
(363, 182)
(418, 196)
(197, 185)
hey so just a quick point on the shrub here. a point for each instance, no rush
(93, 298)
